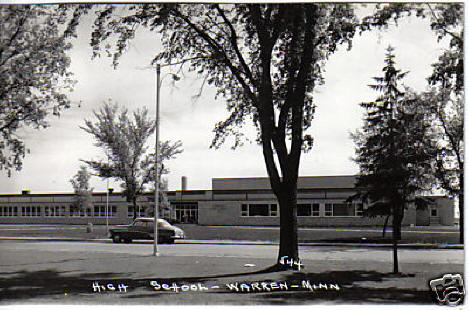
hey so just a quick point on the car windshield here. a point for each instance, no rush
(149, 223)
(163, 223)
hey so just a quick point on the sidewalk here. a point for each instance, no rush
(418, 237)
(251, 242)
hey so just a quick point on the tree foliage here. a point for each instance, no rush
(264, 60)
(83, 192)
(124, 138)
(394, 167)
(444, 102)
(34, 76)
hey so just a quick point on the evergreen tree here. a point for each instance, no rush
(394, 168)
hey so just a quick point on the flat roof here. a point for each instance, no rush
(305, 182)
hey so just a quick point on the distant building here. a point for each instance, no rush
(232, 201)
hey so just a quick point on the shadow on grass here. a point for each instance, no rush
(350, 289)
(53, 284)
(25, 284)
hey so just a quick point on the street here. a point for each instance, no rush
(145, 248)
(69, 272)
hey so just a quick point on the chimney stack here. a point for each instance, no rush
(184, 183)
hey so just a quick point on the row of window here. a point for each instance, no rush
(140, 212)
(331, 209)
(99, 211)
(259, 209)
(57, 211)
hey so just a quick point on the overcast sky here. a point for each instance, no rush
(56, 151)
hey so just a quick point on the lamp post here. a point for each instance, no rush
(156, 164)
(107, 197)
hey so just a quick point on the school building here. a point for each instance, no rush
(231, 201)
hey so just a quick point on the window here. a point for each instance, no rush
(140, 224)
(140, 211)
(315, 209)
(273, 209)
(245, 210)
(76, 211)
(99, 211)
(343, 209)
(8, 211)
(259, 209)
(434, 212)
(359, 209)
(304, 210)
(29, 211)
(112, 211)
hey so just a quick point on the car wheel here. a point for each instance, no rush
(128, 240)
(116, 239)
(170, 241)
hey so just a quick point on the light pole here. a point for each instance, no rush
(156, 164)
(107, 197)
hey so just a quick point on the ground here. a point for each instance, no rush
(83, 272)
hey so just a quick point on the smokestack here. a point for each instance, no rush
(184, 183)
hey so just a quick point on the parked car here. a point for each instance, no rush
(143, 228)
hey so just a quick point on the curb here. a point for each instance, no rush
(247, 242)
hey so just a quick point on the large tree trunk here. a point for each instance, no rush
(395, 240)
(385, 226)
(288, 221)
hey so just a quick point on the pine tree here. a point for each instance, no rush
(393, 165)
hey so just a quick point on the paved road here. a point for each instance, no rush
(443, 256)
(65, 272)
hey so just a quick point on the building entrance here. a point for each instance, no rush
(185, 212)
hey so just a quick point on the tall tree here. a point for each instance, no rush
(447, 118)
(124, 137)
(444, 102)
(34, 76)
(83, 191)
(264, 59)
(393, 166)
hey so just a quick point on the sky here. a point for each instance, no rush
(56, 151)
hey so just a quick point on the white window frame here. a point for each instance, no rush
(273, 209)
